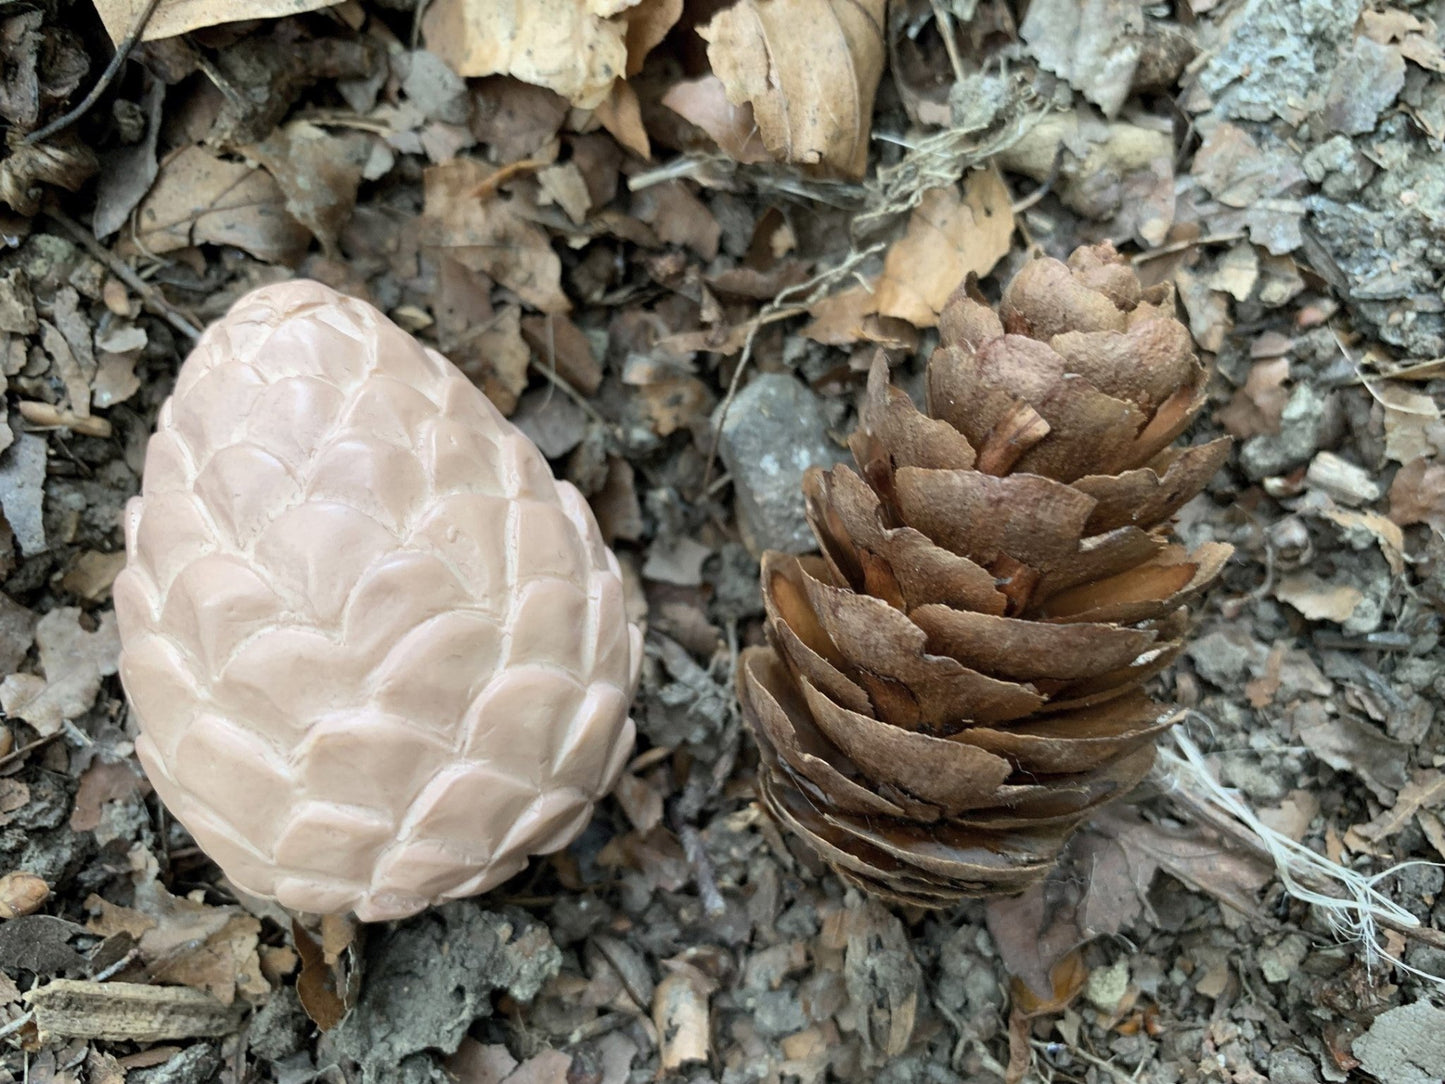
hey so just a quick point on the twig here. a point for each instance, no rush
(1084, 1055)
(150, 297)
(16, 1024)
(560, 383)
(15, 754)
(1180, 246)
(945, 30)
(106, 78)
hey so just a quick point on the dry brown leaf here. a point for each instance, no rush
(1426, 790)
(173, 17)
(810, 69)
(1417, 495)
(1123, 847)
(1036, 936)
(1413, 425)
(621, 115)
(1256, 408)
(319, 173)
(678, 217)
(648, 24)
(951, 234)
(575, 47)
(74, 661)
(183, 942)
(491, 234)
(103, 783)
(201, 199)
(704, 102)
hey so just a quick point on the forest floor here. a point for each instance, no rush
(611, 278)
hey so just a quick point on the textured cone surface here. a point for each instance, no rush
(956, 682)
(377, 654)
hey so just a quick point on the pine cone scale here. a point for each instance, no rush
(956, 682)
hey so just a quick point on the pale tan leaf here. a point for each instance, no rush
(173, 17)
(575, 47)
(950, 235)
(809, 68)
(621, 115)
(648, 22)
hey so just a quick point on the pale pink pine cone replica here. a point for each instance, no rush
(378, 655)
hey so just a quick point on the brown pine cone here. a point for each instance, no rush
(955, 683)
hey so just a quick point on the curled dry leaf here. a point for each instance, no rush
(951, 235)
(576, 47)
(809, 68)
(173, 17)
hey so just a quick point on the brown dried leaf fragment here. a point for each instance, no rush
(809, 69)
(578, 48)
(951, 234)
(201, 199)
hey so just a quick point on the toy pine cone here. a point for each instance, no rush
(377, 654)
(955, 682)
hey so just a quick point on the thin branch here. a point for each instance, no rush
(150, 297)
(106, 78)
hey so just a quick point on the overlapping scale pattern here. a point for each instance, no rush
(956, 681)
(377, 653)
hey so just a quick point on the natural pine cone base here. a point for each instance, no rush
(956, 682)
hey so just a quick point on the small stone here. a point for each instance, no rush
(554, 422)
(193, 1065)
(280, 1028)
(1224, 656)
(773, 433)
(17, 305)
(1342, 480)
(1303, 425)
(22, 492)
(433, 87)
(676, 561)
(1290, 1066)
(1278, 962)
(1405, 1045)
(1108, 985)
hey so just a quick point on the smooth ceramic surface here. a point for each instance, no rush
(377, 654)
